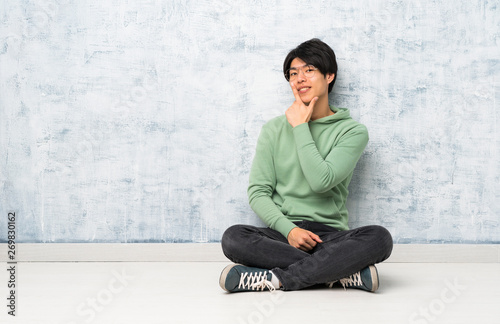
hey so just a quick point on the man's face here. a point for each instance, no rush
(312, 86)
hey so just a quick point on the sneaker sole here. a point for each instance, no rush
(223, 275)
(374, 274)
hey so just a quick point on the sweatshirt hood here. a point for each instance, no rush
(339, 114)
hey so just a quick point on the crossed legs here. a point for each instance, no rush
(341, 254)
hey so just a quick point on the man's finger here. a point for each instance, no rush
(313, 102)
(306, 246)
(315, 237)
(311, 241)
(305, 243)
(295, 93)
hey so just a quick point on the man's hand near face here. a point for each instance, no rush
(299, 113)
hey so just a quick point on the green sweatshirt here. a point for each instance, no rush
(302, 173)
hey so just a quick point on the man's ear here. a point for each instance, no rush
(330, 77)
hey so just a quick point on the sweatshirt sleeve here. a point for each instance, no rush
(324, 174)
(261, 187)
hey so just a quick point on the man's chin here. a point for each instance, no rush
(306, 101)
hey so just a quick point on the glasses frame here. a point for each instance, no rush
(298, 69)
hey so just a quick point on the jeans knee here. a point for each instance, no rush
(384, 239)
(229, 238)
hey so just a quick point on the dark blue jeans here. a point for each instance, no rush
(341, 254)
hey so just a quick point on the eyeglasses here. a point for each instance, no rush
(293, 73)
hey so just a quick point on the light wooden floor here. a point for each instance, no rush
(188, 292)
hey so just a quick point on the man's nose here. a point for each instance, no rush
(301, 76)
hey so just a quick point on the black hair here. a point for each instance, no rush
(314, 52)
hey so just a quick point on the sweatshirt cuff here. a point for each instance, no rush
(284, 226)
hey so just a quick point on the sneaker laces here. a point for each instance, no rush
(352, 281)
(331, 283)
(255, 281)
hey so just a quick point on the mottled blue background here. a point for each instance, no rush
(137, 121)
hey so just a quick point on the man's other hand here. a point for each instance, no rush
(303, 239)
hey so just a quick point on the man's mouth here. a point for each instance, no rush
(304, 89)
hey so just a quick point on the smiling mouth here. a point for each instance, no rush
(303, 90)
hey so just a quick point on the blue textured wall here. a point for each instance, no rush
(137, 122)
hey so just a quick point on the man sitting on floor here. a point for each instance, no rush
(303, 164)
